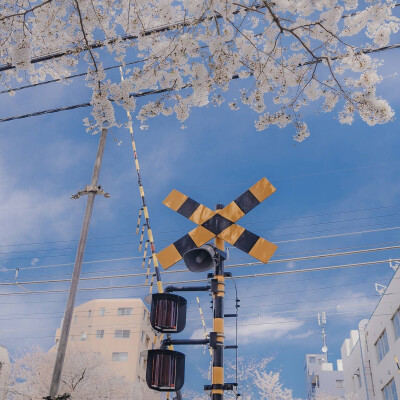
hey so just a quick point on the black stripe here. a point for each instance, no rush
(217, 224)
(247, 201)
(188, 207)
(185, 244)
(246, 241)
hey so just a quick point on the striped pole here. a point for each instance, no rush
(144, 206)
(217, 383)
(138, 221)
(141, 237)
(145, 253)
(203, 322)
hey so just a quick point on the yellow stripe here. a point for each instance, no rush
(137, 165)
(201, 235)
(201, 214)
(169, 256)
(217, 391)
(218, 375)
(219, 243)
(263, 250)
(174, 200)
(141, 190)
(159, 287)
(218, 325)
(262, 189)
(146, 212)
(231, 234)
(150, 235)
(155, 261)
(232, 212)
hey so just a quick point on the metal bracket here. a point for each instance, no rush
(91, 189)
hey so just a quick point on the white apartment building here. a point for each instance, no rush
(370, 354)
(117, 329)
(322, 379)
(4, 371)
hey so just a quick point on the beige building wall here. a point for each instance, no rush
(117, 329)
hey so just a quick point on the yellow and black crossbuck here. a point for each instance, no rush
(220, 223)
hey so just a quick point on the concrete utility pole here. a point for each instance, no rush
(91, 191)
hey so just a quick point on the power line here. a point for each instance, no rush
(145, 93)
(163, 240)
(130, 269)
(342, 266)
(286, 260)
(175, 231)
(277, 242)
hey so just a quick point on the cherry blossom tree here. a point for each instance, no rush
(277, 55)
(85, 376)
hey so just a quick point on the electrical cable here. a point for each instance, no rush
(205, 280)
(248, 223)
(145, 93)
(286, 260)
(180, 231)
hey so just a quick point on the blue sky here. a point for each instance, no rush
(343, 179)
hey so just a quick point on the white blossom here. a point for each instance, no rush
(189, 53)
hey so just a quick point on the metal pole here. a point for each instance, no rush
(217, 383)
(66, 325)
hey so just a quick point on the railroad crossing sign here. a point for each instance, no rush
(219, 223)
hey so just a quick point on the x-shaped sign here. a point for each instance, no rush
(220, 223)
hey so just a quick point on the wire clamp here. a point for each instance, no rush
(91, 189)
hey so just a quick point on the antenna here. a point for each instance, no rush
(322, 324)
(380, 288)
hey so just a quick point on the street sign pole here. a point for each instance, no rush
(217, 383)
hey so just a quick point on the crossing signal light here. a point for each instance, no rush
(201, 259)
(168, 313)
(165, 370)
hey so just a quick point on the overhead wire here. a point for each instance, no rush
(333, 267)
(295, 218)
(276, 242)
(138, 95)
(285, 260)
(130, 269)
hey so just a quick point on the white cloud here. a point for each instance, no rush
(303, 335)
(34, 261)
(291, 265)
(257, 329)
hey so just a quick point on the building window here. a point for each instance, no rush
(143, 336)
(100, 333)
(339, 383)
(311, 359)
(382, 345)
(389, 391)
(83, 335)
(89, 314)
(119, 357)
(125, 311)
(396, 323)
(122, 333)
(102, 311)
(144, 314)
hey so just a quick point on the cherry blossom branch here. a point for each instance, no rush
(20, 14)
